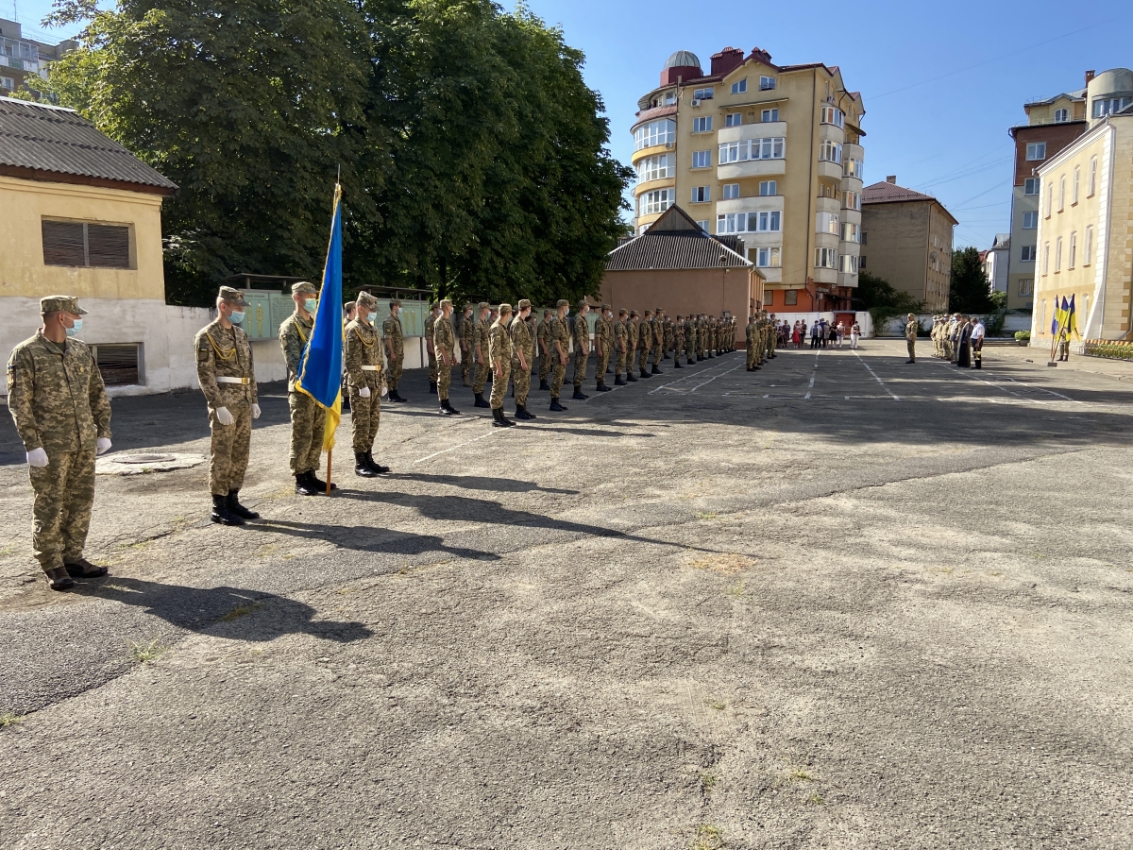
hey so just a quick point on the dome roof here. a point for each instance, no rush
(683, 59)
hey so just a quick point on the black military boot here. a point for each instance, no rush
(645, 374)
(448, 409)
(57, 579)
(319, 485)
(480, 401)
(602, 388)
(522, 414)
(677, 363)
(631, 378)
(303, 487)
(432, 387)
(543, 385)
(619, 381)
(235, 507)
(579, 395)
(690, 361)
(361, 468)
(656, 371)
(555, 406)
(374, 465)
(498, 418)
(221, 514)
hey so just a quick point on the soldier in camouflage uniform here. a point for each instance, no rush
(774, 337)
(395, 350)
(690, 340)
(227, 378)
(464, 335)
(620, 338)
(479, 353)
(603, 342)
(62, 415)
(546, 355)
(523, 348)
(307, 417)
(701, 337)
(500, 355)
(560, 344)
(670, 336)
(430, 322)
(752, 340)
(580, 333)
(444, 343)
(644, 343)
(632, 333)
(678, 341)
(365, 375)
(658, 328)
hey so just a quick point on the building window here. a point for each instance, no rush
(1061, 116)
(86, 244)
(829, 151)
(861, 263)
(1030, 220)
(1104, 106)
(656, 202)
(826, 223)
(731, 191)
(7, 83)
(863, 237)
(1088, 251)
(849, 232)
(1058, 255)
(701, 194)
(119, 363)
(832, 115)
(852, 200)
(826, 258)
(1046, 258)
(1073, 250)
(1036, 151)
(790, 297)
(768, 258)
(766, 83)
(770, 115)
(1049, 199)
(1074, 186)
(656, 168)
(702, 159)
(1026, 286)
(848, 264)
(663, 132)
(854, 169)
(770, 222)
(754, 149)
(1093, 177)
(703, 225)
(1031, 186)
(702, 124)
(763, 222)
(703, 94)
(768, 188)
(1027, 254)
(669, 99)
(1061, 193)
(733, 119)
(739, 86)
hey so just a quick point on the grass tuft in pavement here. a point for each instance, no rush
(708, 837)
(9, 718)
(144, 653)
(722, 563)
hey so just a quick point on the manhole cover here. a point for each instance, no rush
(144, 458)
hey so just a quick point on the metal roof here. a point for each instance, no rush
(49, 142)
(674, 241)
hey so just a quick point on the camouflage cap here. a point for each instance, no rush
(524, 303)
(467, 305)
(562, 302)
(365, 299)
(233, 296)
(433, 305)
(633, 314)
(607, 307)
(505, 309)
(582, 303)
(483, 305)
(60, 303)
(444, 302)
(395, 303)
(303, 286)
(623, 312)
(350, 305)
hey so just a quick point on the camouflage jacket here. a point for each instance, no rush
(543, 336)
(430, 329)
(559, 333)
(522, 340)
(464, 332)
(391, 330)
(603, 335)
(911, 330)
(56, 395)
(690, 331)
(293, 336)
(621, 336)
(479, 340)
(444, 338)
(225, 354)
(581, 334)
(634, 332)
(499, 345)
(363, 347)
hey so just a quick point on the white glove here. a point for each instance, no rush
(364, 392)
(223, 416)
(37, 458)
(102, 445)
(255, 411)
(385, 390)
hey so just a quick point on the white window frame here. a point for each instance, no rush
(663, 131)
(739, 86)
(770, 221)
(745, 150)
(705, 156)
(1088, 248)
(656, 201)
(848, 264)
(826, 223)
(853, 168)
(1073, 256)
(832, 115)
(1027, 254)
(830, 151)
(702, 124)
(734, 119)
(1093, 185)
(769, 258)
(1046, 259)
(1026, 286)
(731, 191)
(660, 167)
(1058, 255)
(1036, 151)
(1049, 199)
(767, 84)
(1033, 218)
(849, 232)
(768, 188)
(703, 225)
(701, 194)
(851, 201)
(826, 258)
(1061, 116)
(1061, 192)
(1031, 186)
(1075, 184)
(703, 94)
(770, 116)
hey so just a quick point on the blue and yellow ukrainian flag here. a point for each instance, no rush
(1072, 318)
(320, 374)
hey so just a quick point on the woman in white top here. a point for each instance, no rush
(855, 335)
(841, 331)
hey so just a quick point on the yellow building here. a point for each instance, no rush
(771, 154)
(1085, 218)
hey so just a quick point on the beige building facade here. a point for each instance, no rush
(907, 241)
(1085, 219)
(771, 154)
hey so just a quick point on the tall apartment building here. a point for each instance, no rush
(21, 58)
(769, 153)
(1085, 218)
(1051, 125)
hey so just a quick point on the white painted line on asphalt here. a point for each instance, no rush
(458, 446)
(875, 377)
(981, 380)
(813, 375)
(1044, 389)
(672, 383)
(714, 377)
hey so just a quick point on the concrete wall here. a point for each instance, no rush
(680, 293)
(900, 241)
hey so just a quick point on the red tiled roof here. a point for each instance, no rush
(887, 193)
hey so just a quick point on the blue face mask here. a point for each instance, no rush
(310, 304)
(75, 328)
(236, 317)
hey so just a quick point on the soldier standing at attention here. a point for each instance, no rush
(581, 335)
(362, 354)
(658, 328)
(644, 343)
(444, 344)
(227, 378)
(500, 354)
(307, 418)
(464, 336)
(678, 341)
(395, 350)
(523, 348)
(430, 350)
(532, 328)
(560, 342)
(621, 345)
(752, 340)
(479, 352)
(546, 355)
(59, 405)
(911, 328)
(632, 331)
(603, 342)
(690, 339)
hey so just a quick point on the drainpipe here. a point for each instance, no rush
(811, 207)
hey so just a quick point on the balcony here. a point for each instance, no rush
(851, 151)
(747, 132)
(825, 276)
(653, 150)
(850, 280)
(772, 274)
(850, 216)
(829, 170)
(829, 205)
(826, 240)
(650, 185)
(851, 249)
(751, 168)
(828, 132)
(764, 203)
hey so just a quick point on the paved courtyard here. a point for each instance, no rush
(843, 602)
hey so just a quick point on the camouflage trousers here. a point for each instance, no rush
(228, 453)
(465, 365)
(521, 380)
(499, 385)
(580, 357)
(752, 356)
(690, 348)
(558, 373)
(911, 344)
(620, 364)
(546, 362)
(602, 362)
(643, 360)
(64, 496)
(432, 367)
(444, 380)
(479, 377)
(307, 423)
(393, 373)
(365, 416)
(657, 352)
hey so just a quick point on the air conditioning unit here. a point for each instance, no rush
(695, 102)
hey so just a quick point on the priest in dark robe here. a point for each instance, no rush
(964, 347)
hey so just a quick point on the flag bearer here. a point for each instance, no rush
(307, 418)
(365, 375)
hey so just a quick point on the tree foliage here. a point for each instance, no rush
(883, 301)
(970, 290)
(474, 157)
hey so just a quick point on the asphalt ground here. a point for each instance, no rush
(842, 602)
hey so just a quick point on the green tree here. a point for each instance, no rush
(970, 290)
(883, 301)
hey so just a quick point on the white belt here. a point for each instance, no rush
(221, 379)
(371, 368)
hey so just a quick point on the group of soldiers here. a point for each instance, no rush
(958, 339)
(762, 337)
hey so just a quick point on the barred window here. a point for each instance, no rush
(86, 244)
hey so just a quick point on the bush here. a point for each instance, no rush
(1111, 349)
(1022, 335)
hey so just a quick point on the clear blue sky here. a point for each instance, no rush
(941, 84)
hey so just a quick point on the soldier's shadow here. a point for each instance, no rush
(230, 612)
